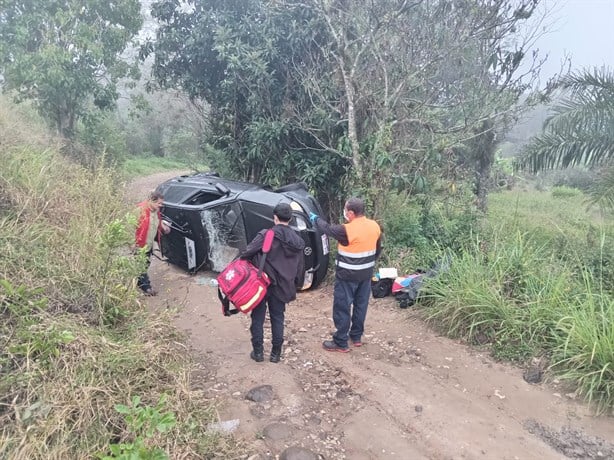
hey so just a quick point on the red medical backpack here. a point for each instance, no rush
(242, 284)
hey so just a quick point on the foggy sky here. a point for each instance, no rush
(582, 29)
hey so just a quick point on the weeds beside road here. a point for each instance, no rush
(77, 346)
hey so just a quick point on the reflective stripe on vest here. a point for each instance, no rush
(354, 266)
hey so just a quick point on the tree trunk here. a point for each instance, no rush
(352, 131)
(485, 157)
(65, 122)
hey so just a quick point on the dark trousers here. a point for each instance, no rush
(144, 282)
(277, 309)
(350, 302)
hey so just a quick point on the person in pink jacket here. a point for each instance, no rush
(149, 228)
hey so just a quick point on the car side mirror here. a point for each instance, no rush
(222, 189)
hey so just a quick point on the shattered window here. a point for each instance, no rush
(226, 232)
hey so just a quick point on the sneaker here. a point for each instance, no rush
(257, 356)
(330, 345)
(357, 343)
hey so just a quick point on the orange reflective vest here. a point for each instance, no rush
(356, 261)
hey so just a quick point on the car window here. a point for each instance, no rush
(225, 232)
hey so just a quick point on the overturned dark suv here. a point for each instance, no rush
(213, 219)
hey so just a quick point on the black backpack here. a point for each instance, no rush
(381, 288)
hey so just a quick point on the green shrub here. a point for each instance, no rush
(182, 143)
(144, 422)
(565, 192)
(418, 230)
(102, 133)
(576, 178)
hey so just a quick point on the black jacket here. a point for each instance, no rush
(284, 262)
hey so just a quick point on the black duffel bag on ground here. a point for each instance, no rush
(381, 288)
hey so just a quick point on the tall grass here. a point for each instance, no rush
(56, 233)
(75, 343)
(501, 297)
(536, 282)
(584, 350)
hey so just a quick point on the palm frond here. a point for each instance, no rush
(554, 150)
(585, 117)
(581, 128)
(593, 80)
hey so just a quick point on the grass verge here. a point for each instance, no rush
(537, 282)
(85, 370)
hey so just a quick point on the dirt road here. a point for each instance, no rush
(408, 393)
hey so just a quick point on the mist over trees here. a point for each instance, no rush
(380, 95)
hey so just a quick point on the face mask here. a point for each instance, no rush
(345, 215)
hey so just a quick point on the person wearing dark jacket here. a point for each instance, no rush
(359, 247)
(283, 265)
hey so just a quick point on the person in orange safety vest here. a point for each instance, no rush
(358, 249)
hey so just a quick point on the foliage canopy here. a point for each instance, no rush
(377, 97)
(66, 54)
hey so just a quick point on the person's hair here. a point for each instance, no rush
(356, 205)
(283, 211)
(155, 196)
